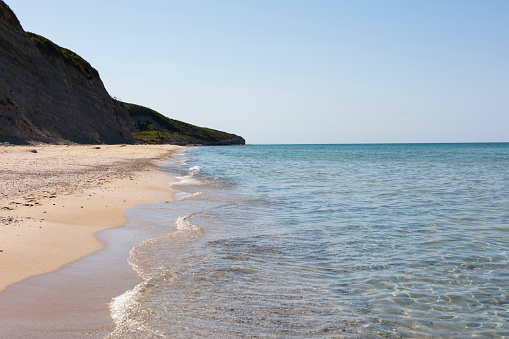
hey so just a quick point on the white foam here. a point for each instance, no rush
(184, 225)
(190, 178)
(191, 196)
(187, 180)
(123, 310)
(124, 302)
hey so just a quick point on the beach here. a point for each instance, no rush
(293, 241)
(55, 199)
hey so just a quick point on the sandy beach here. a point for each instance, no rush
(54, 199)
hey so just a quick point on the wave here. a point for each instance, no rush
(191, 179)
(145, 264)
(128, 315)
(191, 196)
(184, 225)
(130, 311)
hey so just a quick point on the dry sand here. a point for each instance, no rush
(55, 199)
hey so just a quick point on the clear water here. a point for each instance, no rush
(353, 241)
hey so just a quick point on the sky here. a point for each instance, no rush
(295, 71)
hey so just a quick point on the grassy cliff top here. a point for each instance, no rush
(46, 46)
(149, 123)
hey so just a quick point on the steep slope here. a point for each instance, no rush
(153, 127)
(49, 94)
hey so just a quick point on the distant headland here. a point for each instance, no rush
(50, 94)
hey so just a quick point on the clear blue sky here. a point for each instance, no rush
(291, 71)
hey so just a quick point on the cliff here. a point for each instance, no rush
(50, 94)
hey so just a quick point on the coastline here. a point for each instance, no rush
(53, 204)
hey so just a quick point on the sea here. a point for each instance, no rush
(325, 241)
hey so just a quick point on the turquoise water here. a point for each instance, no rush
(354, 241)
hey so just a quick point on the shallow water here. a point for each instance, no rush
(326, 241)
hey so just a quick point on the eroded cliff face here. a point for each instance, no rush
(49, 94)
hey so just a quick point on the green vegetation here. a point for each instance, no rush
(160, 137)
(80, 63)
(46, 46)
(154, 128)
(148, 133)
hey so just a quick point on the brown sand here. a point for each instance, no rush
(53, 202)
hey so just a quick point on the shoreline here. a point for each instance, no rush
(54, 205)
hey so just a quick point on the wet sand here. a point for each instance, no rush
(53, 204)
